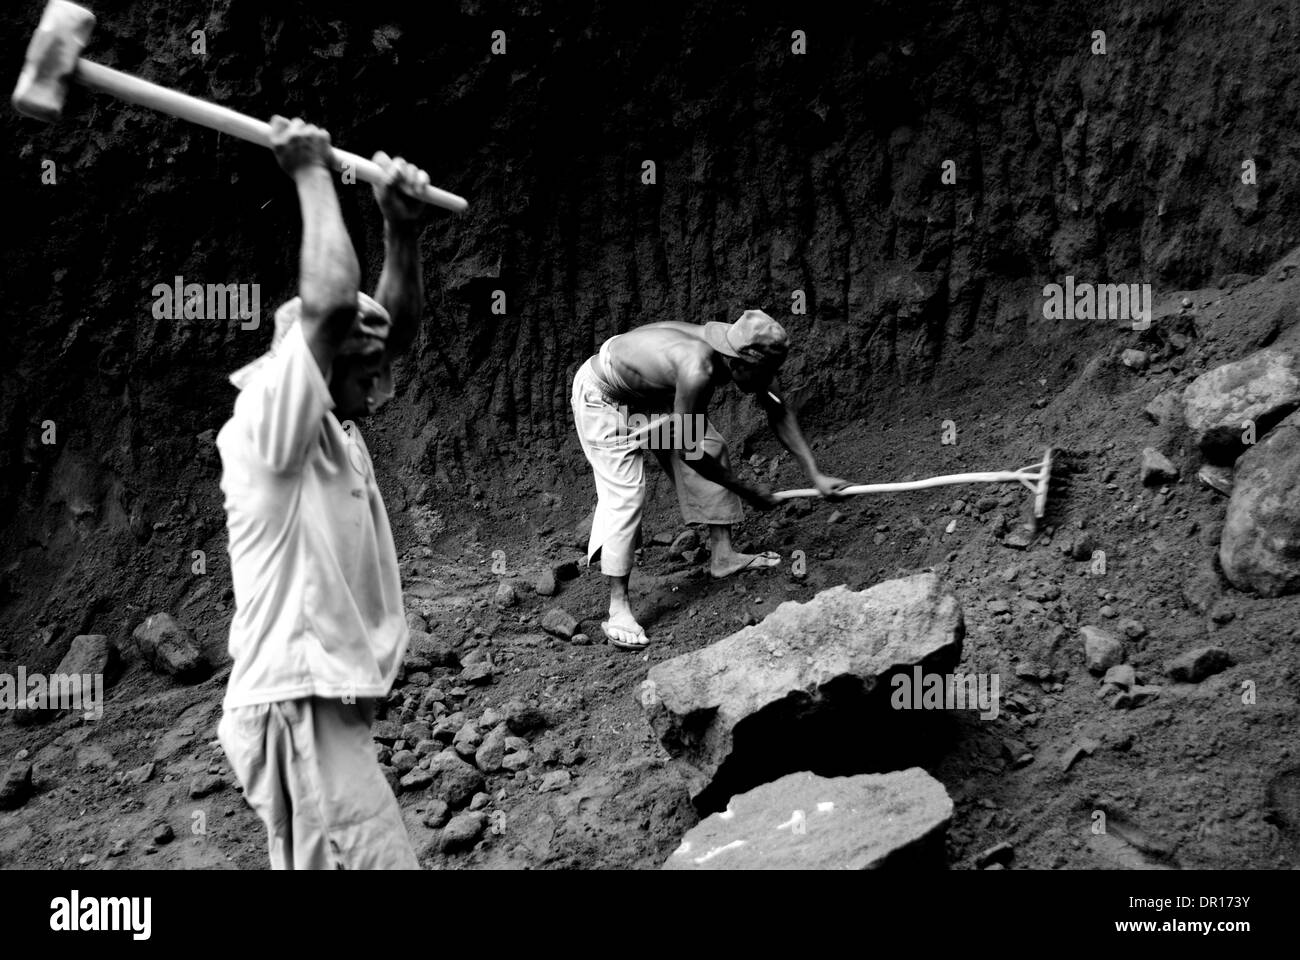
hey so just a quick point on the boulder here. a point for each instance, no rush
(1263, 388)
(168, 647)
(894, 820)
(1260, 546)
(758, 700)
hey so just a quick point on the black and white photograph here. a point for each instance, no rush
(591, 436)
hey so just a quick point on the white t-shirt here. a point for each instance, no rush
(318, 594)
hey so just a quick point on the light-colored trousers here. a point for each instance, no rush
(618, 462)
(309, 770)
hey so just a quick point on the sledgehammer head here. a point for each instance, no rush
(52, 59)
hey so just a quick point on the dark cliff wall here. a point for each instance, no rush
(775, 172)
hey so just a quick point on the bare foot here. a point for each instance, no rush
(721, 567)
(622, 630)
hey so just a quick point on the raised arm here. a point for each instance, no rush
(327, 268)
(401, 284)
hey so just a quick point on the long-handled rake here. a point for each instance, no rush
(1036, 477)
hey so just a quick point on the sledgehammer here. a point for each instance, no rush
(54, 57)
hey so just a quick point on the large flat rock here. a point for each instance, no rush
(798, 690)
(1263, 388)
(1260, 546)
(807, 822)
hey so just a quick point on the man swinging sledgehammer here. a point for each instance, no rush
(670, 370)
(319, 630)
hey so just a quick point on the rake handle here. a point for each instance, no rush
(952, 479)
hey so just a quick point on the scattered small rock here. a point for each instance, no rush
(477, 674)
(463, 830)
(1081, 749)
(1135, 359)
(1132, 629)
(1001, 853)
(1195, 665)
(417, 779)
(16, 786)
(1121, 675)
(141, 774)
(565, 570)
(686, 540)
(519, 760)
(454, 780)
(492, 751)
(168, 647)
(436, 814)
(404, 761)
(205, 784)
(559, 622)
(556, 780)
(1101, 651)
(1157, 468)
(505, 595)
(1017, 540)
(524, 718)
(1136, 696)
(467, 741)
(545, 584)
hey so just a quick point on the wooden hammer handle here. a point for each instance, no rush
(216, 117)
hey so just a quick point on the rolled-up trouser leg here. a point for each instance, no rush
(309, 770)
(619, 468)
(701, 500)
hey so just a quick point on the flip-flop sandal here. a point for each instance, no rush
(624, 644)
(765, 555)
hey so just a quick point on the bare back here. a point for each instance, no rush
(650, 360)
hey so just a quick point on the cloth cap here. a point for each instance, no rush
(755, 337)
